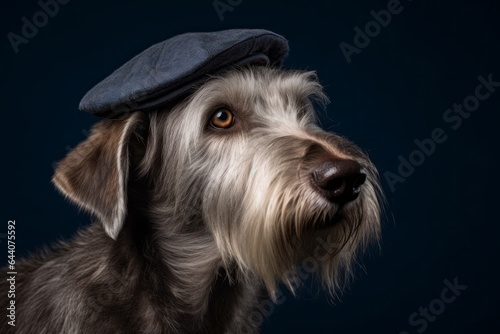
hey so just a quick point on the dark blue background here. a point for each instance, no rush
(441, 223)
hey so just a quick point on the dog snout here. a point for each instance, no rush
(339, 180)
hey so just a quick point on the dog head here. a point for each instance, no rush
(244, 162)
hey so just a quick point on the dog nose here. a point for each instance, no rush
(339, 180)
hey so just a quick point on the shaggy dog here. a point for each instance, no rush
(201, 209)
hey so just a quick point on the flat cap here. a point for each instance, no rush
(170, 69)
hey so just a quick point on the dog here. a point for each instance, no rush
(201, 211)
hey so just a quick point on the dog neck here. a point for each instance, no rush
(182, 276)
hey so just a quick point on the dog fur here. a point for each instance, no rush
(195, 225)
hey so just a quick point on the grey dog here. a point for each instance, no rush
(201, 212)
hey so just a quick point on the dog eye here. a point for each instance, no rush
(222, 119)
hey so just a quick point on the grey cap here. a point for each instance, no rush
(169, 70)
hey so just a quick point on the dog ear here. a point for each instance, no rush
(94, 175)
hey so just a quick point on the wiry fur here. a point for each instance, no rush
(206, 222)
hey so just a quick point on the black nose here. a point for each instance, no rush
(339, 180)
